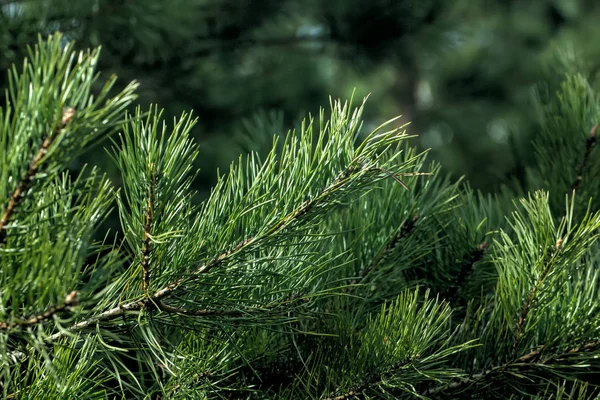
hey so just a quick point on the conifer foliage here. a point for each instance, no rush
(343, 265)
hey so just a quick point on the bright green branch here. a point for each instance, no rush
(27, 179)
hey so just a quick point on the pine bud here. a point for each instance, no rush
(68, 114)
(72, 299)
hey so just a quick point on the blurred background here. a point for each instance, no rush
(464, 72)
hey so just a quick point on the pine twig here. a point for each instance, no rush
(372, 380)
(527, 360)
(459, 384)
(466, 268)
(157, 296)
(272, 306)
(204, 375)
(406, 228)
(137, 305)
(147, 229)
(27, 179)
(534, 355)
(198, 313)
(346, 396)
(71, 300)
(533, 292)
(589, 145)
(396, 177)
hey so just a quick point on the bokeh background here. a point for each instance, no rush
(466, 73)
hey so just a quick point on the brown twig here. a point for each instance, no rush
(534, 355)
(589, 145)
(71, 300)
(21, 189)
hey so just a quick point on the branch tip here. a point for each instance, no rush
(594, 131)
(67, 116)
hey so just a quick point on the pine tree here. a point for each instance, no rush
(342, 265)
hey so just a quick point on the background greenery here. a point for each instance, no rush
(462, 71)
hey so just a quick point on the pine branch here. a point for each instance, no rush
(466, 268)
(373, 380)
(406, 228)
(148, 229)
(589, 145)
(27, 179)
(199, 377)
(459, 384)
(528, 360)
(71, 300)
(205, 268)
(532, 294)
